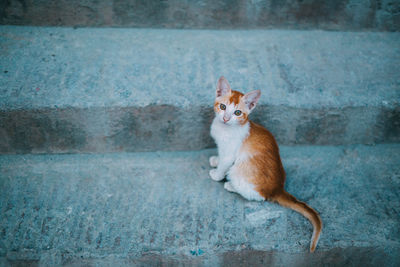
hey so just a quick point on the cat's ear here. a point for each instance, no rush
(251, 99)
(223, 87)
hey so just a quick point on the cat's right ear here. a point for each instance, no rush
(223, 87)
(251, 99)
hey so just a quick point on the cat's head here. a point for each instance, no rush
(233, 107)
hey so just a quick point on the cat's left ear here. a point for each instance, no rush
(223, 87)
(251, 99)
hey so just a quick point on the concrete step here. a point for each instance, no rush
(161, 208)
(227, 14)
(65, 90)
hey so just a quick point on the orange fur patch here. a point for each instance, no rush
(264, 169)
(268, 174)
(235, 97)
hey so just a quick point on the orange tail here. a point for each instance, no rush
(287, 200)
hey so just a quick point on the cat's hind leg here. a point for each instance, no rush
(228, 186)
(242, 185)
(214, 161)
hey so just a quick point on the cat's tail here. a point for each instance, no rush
(287, 200)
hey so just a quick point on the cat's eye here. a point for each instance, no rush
(222, 107)
(238, 112)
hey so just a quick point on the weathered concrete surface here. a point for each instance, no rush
(162, 208)
(210, 14)
(105, 90)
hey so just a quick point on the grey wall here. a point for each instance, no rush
(348, 15)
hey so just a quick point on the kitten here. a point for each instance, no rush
(249, 155)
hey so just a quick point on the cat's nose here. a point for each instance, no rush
(225, 119)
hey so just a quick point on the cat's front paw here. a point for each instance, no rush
(214, 161)
(215, 175)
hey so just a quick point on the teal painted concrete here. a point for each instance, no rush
(162, 208)
(65, 90)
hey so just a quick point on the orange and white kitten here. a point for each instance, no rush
(249, 155)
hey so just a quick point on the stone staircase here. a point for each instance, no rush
(67, 90)
(104, 141)
(161, 208)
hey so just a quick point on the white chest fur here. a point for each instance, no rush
(229, 138)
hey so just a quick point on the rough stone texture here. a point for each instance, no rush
(106, 90)
(210, 14)
(163, 209)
